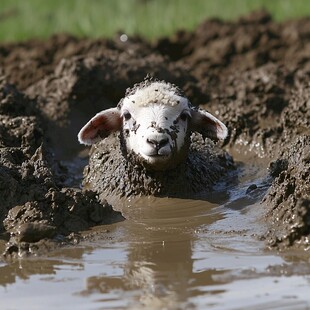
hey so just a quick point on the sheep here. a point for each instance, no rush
(160, 148)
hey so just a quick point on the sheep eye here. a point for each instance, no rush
(127, 115)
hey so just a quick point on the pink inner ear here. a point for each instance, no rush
(220, 130)
(208, 125)
(100, 126)
(97, 127)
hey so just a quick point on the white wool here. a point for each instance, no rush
(157, 92)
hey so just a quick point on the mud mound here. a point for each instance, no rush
(253, 73)
(289, 194)
(33, 203)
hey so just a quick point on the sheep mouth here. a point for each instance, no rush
(156, 158)
(158, 154)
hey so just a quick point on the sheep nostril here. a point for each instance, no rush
(157, 144)
(162, 142)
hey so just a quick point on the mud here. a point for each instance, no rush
(253, 73)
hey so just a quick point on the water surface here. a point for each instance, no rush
(169, 254)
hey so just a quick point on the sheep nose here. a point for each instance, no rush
(157, 143)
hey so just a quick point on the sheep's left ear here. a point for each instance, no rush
(100, 126)
(208, 125)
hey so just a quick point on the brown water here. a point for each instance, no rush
(168, 254)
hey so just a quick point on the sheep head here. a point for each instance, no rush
(155, 121)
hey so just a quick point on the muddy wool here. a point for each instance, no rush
(110, 173)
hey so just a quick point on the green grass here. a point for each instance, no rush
(24, 19)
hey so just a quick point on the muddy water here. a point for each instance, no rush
(169, 254)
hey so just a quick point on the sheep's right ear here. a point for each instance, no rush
(100, 126)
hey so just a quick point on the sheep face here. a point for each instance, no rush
(155, 122)
(156, 126)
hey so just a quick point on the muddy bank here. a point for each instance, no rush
(253, 73)
(34, 203)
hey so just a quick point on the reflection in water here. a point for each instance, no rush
(159, 264)
(25, 268)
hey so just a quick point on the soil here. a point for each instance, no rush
(253, 73)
